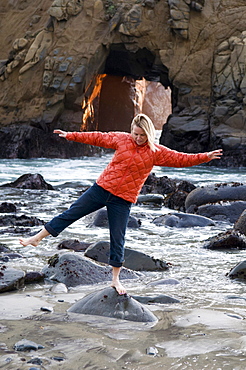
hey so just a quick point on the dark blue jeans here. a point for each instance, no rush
(93, 199)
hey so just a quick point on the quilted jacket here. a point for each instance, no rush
(131, 164)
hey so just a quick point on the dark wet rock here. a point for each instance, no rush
(164, 282)
(12, 256)
(47, 309)
(227, 240)
(109, 303)
(101, 220)
(27, 345)
(32, 277)
(7, 207)
(134, 260)
(15, 230)
(176, 200)
(73, 244)
(10, 279)
(58, 358)
(235, 297)
(213, 194)
(72, 269)
(182, 220)
(163, 299)
(4, 259)
(35, 361)
(229, 211)
(240, 225)
(238, 272)
(165, 185)
(30, 181)
(4, 248)
(151, 199)
(13, 220)
(176, 191)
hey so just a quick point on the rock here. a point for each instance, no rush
(238, 272)
(27, 345)
(32, 277)
(29, 181)
(214, 193)
(46, 309)
(229, 211)
(163, 299)
(10, 279)
(15, 230)
(152, 351)
(151, 198)
(182, 220)
(73, 269)
(134, 260)
(101, 220)
(59, 288)
(75, 245)
(224, 202)
(4, 248)
(227, 240)
(240, 225)
(7, 207)
(176, 200)
(13, 220)
(164, 282)
(109, 303)
(12, 255)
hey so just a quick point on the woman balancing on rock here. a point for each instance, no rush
(120, 183)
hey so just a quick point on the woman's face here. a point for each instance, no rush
(138, 135)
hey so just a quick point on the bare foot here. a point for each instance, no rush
(30, 241)
(119, 287)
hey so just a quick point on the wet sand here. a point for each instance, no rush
(194, 338)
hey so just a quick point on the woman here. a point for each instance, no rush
(120, 183)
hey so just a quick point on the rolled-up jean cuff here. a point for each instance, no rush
(51, 230)
(115, 263)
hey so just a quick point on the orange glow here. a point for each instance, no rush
(87, 103)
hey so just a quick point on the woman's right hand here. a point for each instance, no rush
(60, 133)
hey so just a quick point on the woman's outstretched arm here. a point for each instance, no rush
(60, 133)
(215, 154)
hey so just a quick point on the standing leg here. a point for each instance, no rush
(118, 214)
(116, 280)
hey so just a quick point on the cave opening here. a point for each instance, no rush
(130, 83)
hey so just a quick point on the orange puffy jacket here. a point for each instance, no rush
(131, 164)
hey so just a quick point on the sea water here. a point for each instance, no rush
(204, 290)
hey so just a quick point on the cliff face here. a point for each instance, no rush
(53, 51)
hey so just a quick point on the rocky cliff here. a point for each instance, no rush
(56, 56)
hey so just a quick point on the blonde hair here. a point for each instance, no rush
(144, 122)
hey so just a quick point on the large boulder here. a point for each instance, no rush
(134, 260)
(240, 225)
(227, 211)
(11, 279)
(29, 181)
(72, 269)
(101, 220)
(182, 220)
(226, 240)
(238, 272)
(109, 303)
(209, 200)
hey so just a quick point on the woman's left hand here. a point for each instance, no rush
(215, 154)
